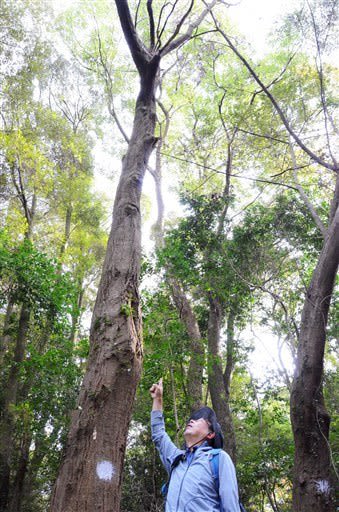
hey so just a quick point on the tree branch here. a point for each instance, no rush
(216, 171)
(159, 34)
(139, 52)
(274, 102)
(276, 79)
(136, 14)
(151, 23)
(304, 196)
(109, 87)
(179, 25)
(321, 83)
(268, 137)
(174, 42)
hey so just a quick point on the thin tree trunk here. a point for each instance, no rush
(197, 359)
(5, 338)
(261, 445)
(10, 395)
(67, 231)
(76, 317)
(17, 489)
(7, 421)
(31, 217)
(220, 401)
(227, 376)
(31, 471)
(312, 489)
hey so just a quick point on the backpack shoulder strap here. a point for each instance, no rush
(213, 456)
(214, 461)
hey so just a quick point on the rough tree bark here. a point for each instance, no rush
(312, 486)
(91, 472)
(90, 475)
(217, 378)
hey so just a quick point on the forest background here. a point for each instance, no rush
(245, 193)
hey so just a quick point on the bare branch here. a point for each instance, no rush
(216, 171)
(109, 89)
(151, 23)
(159, 34)
(274, 102)
(136, 14)
(304, 196)
(289, 169)
(174, 42)
(322, 83)
(261, 135)
(179, 25)
(275, 80)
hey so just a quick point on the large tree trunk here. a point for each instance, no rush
(91, 473)
(312, 489)
(216, 382)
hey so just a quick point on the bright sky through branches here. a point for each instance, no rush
(255, 19)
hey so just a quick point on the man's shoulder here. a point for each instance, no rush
(223, 456)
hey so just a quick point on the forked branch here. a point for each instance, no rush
(139, 52)
(176, 41)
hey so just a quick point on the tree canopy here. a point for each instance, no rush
(219, 162)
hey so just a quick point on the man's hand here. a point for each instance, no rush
(156, 393)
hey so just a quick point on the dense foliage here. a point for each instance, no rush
(254, 209)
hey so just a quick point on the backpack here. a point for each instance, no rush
(214, 462)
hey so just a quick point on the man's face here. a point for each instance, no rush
(196, 430)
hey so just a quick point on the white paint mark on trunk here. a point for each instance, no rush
(323, 487)
(94, 433)
(105, 470)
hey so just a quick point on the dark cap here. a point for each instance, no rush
(209, 415)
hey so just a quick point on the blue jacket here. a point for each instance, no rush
(191, 487)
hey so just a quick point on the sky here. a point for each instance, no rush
(255, 18)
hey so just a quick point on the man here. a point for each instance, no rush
(192, 487)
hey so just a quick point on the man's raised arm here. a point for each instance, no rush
(157, 393)
(167, 450)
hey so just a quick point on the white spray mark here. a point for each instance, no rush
(94, 433)
(105, 470)
(323, 487)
